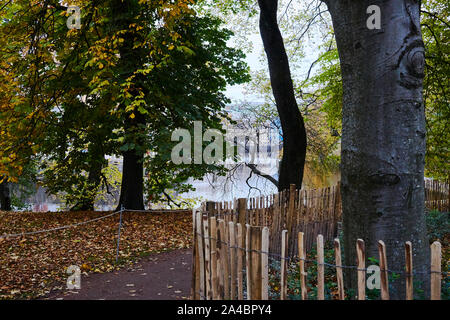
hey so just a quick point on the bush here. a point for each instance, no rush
(438, 226)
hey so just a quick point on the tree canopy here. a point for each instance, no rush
(132, 74)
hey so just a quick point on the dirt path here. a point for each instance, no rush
(163, 276)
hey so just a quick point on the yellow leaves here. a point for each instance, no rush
(175, 36)
(128, 95)
(171, 47)
(85, 267)
(132, 116)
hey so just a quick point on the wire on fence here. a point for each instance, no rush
(14, 235)
(297, 258)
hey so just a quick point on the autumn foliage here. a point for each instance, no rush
(33, 266)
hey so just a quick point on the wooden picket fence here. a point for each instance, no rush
(231, 261)
(310, 211)
(313, 212)
(437, 195)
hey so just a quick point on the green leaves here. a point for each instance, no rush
(436, 34)
(130, 76)
(327, 84)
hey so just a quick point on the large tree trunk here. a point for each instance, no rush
(5, 196)
(131, 192)
(132, 188)
(294, 132)
(383, 134)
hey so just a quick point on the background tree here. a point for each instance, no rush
(294, 132)
(135, 71)
(292, 122)
(5, 196)
(436, 34)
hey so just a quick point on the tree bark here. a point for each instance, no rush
(292, 124)
(5, 196)
(132, 188)
(383, 134)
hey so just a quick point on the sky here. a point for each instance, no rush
(236, 93)
(253, 58)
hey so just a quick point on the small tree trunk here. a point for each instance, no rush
(5, 196)
(383, 134)
(294, 132)
(94, 179)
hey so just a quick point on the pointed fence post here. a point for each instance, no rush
(265, 264)
(409, 271)
(339, 273)
(284, 255)
(320, 269)
(383, 271)
(240, 259)
(207, 257)
(361, 257)
(302, 257)
(436, 256)
(213, 245)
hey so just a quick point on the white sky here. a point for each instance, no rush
(253, 59)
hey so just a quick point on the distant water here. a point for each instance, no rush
(55, 207)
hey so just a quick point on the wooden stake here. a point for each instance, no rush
(201, 254)
(302, 256)
(361, 259)
(284, 254)
(409, 271)
(240, 256)
(242, 212)
(320, 269)
(232, 259)
(265, 264)
(224, 260)
(383, 271)
(436, 271)
(214, 278)
(247, 262)
(339, 273)
(255, 262)
(208, 292)
(195, 287)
